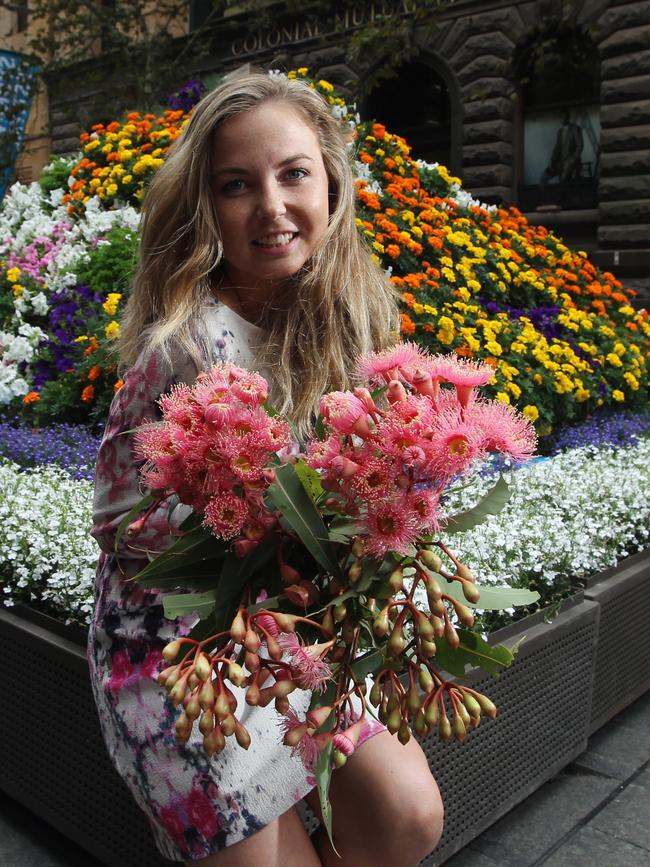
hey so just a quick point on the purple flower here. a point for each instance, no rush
(188, 96)
(72, 447)
(603, 428)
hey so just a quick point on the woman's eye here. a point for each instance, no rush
(297, 174)
(234, 186)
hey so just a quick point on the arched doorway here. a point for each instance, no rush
(416, 104)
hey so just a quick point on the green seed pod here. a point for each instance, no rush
(396, 642)
(236, 674)
(444, 728)
(488, 707)
(358, 547)
(193, 708)
(438, 624)
(206, 723)
(354, 572)
(193, 681)
(423, 626)
(465, 573)
(437, 608)
(375, 694)
(183, 728)
(451, 636)
(425, 680)
(241, 735)
(393, 702)
(202, 667)
(473, 707)
(428, 648)
(394, 721)
(471, 592)
(464, 715)
(340, 612)
(396, 580)
(171, 650)
(238, 628)
(464, 614)
(222, 707)
(381, 625)
(228, 725)
(338, 758)
(251, 661)
(430, 559)
(348, 631)
(432, 713)
(382, 713)
(206, 696)
(413, 703)
(404, 733)
(178, 691)
(282, 705)
(420, 724)
(252, 641)
(214, 742)
(458, 728)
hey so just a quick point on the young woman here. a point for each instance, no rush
(249, 253)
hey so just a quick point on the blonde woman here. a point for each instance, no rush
(249, 253)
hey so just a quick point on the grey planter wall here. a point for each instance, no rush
(53, 759)
(622, 670)
(52, 755)
(544, 702)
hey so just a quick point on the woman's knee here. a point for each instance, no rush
(414, 819)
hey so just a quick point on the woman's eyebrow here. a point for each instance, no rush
(235, 170)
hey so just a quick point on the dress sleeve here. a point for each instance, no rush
(117, 480)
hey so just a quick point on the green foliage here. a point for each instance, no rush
(55, 175)
(112, 263)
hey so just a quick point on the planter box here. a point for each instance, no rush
(622, 670)
(544, 702)
(52, 756)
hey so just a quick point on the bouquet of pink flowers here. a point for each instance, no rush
(304, 563)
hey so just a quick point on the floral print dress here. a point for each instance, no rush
(195, 805)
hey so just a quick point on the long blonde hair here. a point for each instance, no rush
(340, 305)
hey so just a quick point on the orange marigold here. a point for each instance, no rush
(88, 394)
(407, 325)
(94, 372)
(31, 397)
(118, 385)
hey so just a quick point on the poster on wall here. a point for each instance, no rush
(17, 83)
(561, 145)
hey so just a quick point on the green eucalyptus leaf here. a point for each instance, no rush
(490, 504)
(289, 496)
(492, 598)
(368, 663)
(180, 604)
(144, 503)
(310, 479)
(473, 651)
(323, 777)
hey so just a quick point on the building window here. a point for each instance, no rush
(416, 105)
(199, 12)
(558, 73)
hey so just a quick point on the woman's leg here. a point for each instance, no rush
(386, 807)
(283, 843)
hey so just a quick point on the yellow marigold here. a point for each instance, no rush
(619, 348)
(531, 411)
(112, 300)
(503, 397)
(513, 389)
(445, 337)
(614, 360)
(13, 275)
(626, 310)
(631, 380)
(112, 330)
(127, 179)
(582, 394)
(618, 395)
(493, 347)
(17, 289)
(111, 189)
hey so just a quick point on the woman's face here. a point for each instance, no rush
(270, 190)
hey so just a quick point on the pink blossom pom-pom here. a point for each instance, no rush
(225, 515)
(455, 444)
(398, 362)
(309, 670)
(390, 526)
(345, 413)
(307, 748)
(251, 389)
(462, 373)
(504, 429)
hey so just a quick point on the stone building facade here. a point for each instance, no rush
(465, 101)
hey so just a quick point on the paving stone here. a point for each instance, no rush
(27, 841)
(470, 857)
(621, 747)
(523, 836)
(626, 817)
(589, 846)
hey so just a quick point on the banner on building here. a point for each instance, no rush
(17, 85)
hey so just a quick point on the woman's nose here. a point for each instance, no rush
(270, 204)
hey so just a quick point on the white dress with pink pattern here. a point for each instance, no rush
(195, 805)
